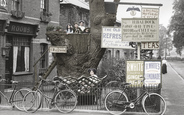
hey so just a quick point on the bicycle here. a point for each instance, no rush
(16, 96)
(117, 101)
(64, 99)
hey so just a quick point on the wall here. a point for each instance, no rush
(32, 17)
(71, 14)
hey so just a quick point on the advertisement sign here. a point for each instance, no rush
(149, 45)
(111, 38)
(150, 12)
(21, 28)
(58, 49)
(134, 72)
(152, 73)
(139, 29)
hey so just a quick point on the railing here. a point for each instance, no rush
(93, 100)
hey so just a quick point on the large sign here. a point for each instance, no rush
(149, 45)
(20, 28)
(152, 73)
(139, 29)
(150, 12)
(111, 38)
(58, 49)
(134, 72)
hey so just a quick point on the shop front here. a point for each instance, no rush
(18, 63)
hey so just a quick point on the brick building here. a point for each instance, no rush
(72, 11)
(23, 26)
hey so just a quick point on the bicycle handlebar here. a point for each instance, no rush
(1, 80)
(12, 81)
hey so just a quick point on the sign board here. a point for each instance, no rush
(149, 45)
(21, 28)
(150, 12)
(111, 38)
(58, 49)
(139, 29)
(152, 73)
(134, 72)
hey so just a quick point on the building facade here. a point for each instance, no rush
(23, 26)
(72, 11)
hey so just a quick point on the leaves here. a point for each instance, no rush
(177, 25)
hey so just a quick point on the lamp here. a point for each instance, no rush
(6, 50)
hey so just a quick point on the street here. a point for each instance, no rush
(172, 91)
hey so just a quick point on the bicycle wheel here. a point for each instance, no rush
(32, 101)
(3, 100)
(18, 98)
(65, 101)
(154, 103)
(115, 102)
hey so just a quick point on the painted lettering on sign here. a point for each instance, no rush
(150, 12)
(149, 45)
(152, 72)
(134, 72)
(139, 29)
(21, 28)
(58, 49)
(111, 38)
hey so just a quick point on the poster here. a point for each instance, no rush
(134, 72)
(152, 73)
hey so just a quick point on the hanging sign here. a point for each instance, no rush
(149, 45)
(139, 29)
(150, 12)
(58, 49)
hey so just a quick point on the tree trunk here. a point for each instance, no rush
(83, 50)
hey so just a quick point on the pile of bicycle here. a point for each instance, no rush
(65, 99)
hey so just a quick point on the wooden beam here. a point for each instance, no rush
(142, 4)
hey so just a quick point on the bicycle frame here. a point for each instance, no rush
(135, 100)
(44, 96)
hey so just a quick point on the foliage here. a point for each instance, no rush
(164, 40)
(58, 28)
(113, 68)
(50, 28)
(177, 25)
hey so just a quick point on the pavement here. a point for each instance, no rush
(173, 88)
(172, 91)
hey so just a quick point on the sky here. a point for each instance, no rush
(165, 11)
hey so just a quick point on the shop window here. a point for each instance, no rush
(16, 5)
(44, 5)
(45, 15)
(109, 54)
(44, 59)
(117, 54)
(3, 3)
(16, 9)
(21, 54)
